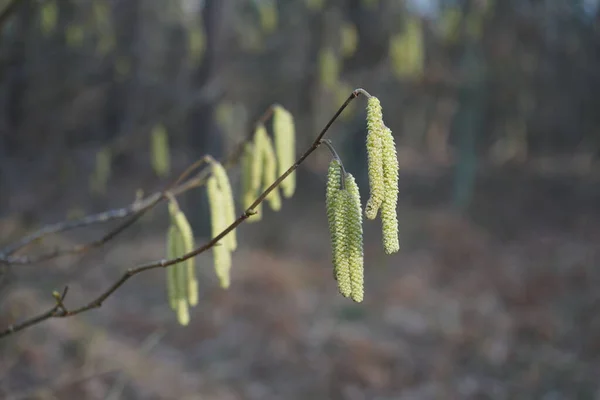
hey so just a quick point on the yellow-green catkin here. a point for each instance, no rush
(389, 217)
(375, 129)
(354, 237)
(161, 161)
(228, 203)
(49, 16)
(221, 252)
(247, 165)
(270, 174)
(177, 277)
(172, 287)
(337, 227)
(349, 39)
(187, 237)
(334, 176)
(340, 238)
(285, 146)
(257, 171)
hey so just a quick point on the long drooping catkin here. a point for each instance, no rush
(340, 238)
(228, 204)
(270, 174)
(161, 161)
(389, 218)
(383, 175)
(172, 287)
(248, 194)
(354, 234)
(285, 146)
(334, 176)
(221, 253)
(375, 157)
(184, 230)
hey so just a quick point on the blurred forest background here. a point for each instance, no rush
(494, 106)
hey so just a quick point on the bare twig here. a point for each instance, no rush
(134, 211)
(61, 312)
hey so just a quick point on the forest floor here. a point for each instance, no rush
(500, 304)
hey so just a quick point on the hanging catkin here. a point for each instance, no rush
(375, 157)
(270, 174)
(228, 204)
(161, 161)
(285, 146)
(172, 287)
(334, 176)
(221, 253)
(187, 246)
(354, 235)
(383, 175)
(389, 218)
(248, 193)
(261, 140)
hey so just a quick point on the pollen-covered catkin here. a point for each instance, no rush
(340, 239)
(389, 217)
(354, 234)
(221, 253)
(334, 176)
(285, 146)
(375, 129)
(228, 204)
(375, 169)
(270, 174)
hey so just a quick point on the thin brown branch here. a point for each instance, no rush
(134, 211)
(61, 312)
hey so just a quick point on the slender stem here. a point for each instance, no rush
(335, 155)
(60, 312)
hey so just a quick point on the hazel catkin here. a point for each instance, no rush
(285, 147)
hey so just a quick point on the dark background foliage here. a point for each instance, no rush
(495, 290)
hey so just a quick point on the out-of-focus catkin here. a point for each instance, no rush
(187, 246)
(228, 203)
(285, 146)
(172, 288)
(270, 174)
(221, 253)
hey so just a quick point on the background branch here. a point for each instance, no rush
(60, 311)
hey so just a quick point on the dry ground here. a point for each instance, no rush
(503, 304)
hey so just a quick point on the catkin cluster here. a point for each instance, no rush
(182, 285)
(263, 161)
(344, 215)
(383, 175)
(222, 214)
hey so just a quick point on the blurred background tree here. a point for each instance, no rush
(483, 96)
